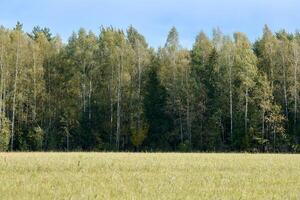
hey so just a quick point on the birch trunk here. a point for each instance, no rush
(230, 98)
(181, 128)
(34, 85)
(188, 120)
(49, 106)
(84, 88)
(285, 88)
(263, 125)
(1, 86)
(295, 89)
(139, 90)
(246, 110)
(90, 96)
(15, 93)
(271, 71)
(68, 140)
(111, 106)
(274, 137)
(118, 104)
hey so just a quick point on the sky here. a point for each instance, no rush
(154, 18)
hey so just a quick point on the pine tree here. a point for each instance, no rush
(155, 103)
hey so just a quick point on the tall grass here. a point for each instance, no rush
(149, 176)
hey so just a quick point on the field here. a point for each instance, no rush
(149, 176)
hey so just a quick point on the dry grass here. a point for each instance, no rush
(149, 176)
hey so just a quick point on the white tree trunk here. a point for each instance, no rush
(111, 94)
(271, 71)
(285, 88)
(274, 136)
(246, 110)
(181, 128)
(263, 124)
(188, 117)
(90, 96)
(119, 104)
(263, 117)
(139, 90)
(295, 88)
(111, 107)
(68, 140)
(34, 85)
(230, 99)
(1, 86)
(15, 93)
(84, 87)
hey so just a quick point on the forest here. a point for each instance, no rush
(111, 91)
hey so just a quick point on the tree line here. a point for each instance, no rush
(112, 92)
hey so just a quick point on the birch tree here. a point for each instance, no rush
(141, 59)
(245, 61)
(17, 43)
(199, 58)
(229, 76)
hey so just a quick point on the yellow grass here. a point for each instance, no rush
(149, 176)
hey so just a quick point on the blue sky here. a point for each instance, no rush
(154, 18)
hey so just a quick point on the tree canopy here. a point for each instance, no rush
(111, 91)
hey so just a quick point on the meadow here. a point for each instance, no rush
(149, 176)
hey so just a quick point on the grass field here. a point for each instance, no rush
(149, 176)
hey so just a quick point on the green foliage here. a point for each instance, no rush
(184, 146)
(138, 136)
(35, 138)
(4, 134)
(155, 108)
(111, 91)
(37, 30)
